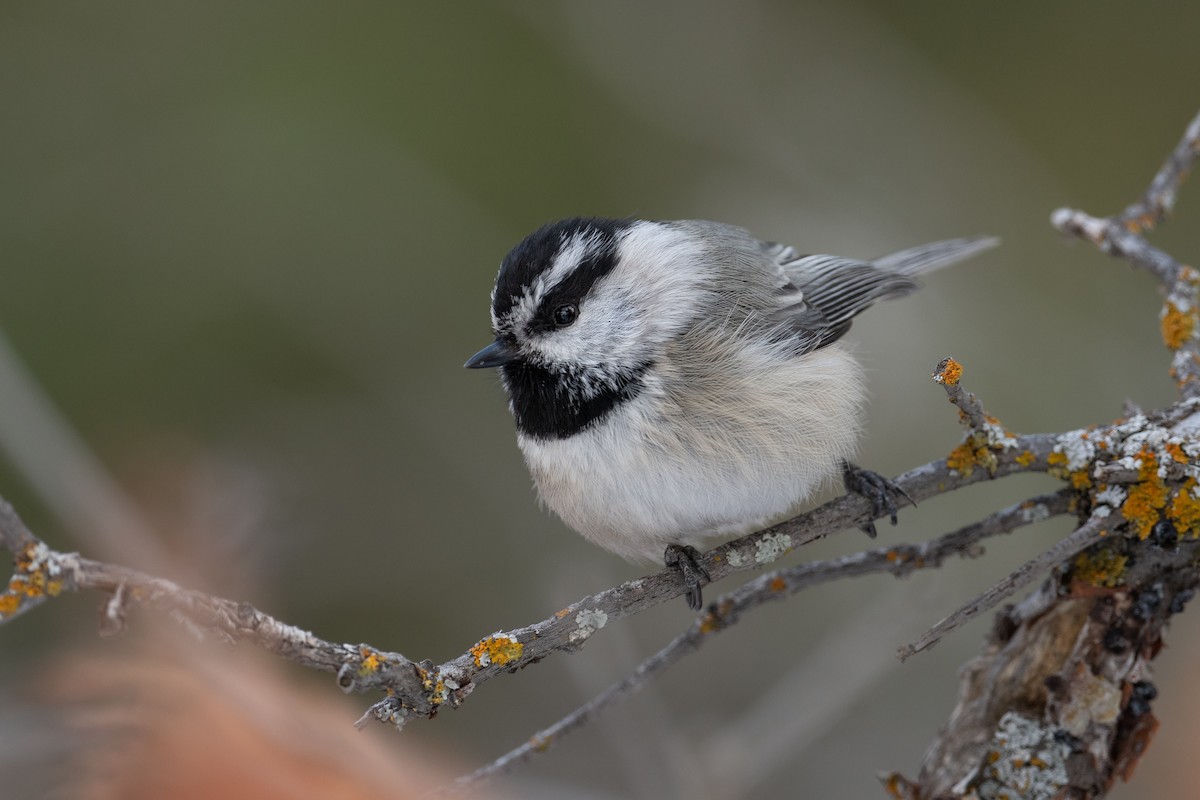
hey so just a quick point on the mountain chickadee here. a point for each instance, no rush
(674, 382)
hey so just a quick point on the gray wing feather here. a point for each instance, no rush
(824, 293)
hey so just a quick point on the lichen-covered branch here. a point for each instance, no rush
(420, 689)
(1059, 703)
(40, 573)
(776, 586)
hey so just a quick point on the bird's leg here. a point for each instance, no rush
(882, 492)
(686, 559)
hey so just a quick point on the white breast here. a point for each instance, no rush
(701, 453)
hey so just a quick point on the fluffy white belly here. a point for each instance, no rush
(682, 467)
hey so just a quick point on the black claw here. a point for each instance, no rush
(686, 559)
(882, 492)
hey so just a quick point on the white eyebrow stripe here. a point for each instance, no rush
(573, 252)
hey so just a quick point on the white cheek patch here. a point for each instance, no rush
(669, 272)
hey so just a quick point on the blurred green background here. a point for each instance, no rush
(247, 247)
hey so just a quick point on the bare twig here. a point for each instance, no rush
(1120, 235)
(1082, 538)
(1159, 200)
(774, 586)
(13, 533)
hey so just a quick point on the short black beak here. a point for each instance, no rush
(495, 354)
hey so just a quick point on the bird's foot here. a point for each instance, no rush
(686, 559)
(882, 492)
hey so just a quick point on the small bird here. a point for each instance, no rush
(676, 382)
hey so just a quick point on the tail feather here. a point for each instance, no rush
(935, 255)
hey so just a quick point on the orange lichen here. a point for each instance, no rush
(1147, 498)
(948, 372)
(1184, 510)
(968, 455)
(714, 618)
(962, 459)
(562, 613)
(9, 603)
(1177, 326)
(1026, 458)
(23, 561)
(899, 787)
(371, 661)
(498, 650)
(1101, 568)
(1057, 462)
(1175, 450)
(778, 584)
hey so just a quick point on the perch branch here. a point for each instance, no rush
(777, 585)
(420, 689)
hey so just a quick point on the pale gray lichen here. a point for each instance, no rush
(1130, 426)
(1112, 497)
(1129, 462)
(997, 438)
(589, 621)
(1147, 439)
(1035, 513)
(771, 547)
(400, 717)
(735, 559)
(1023, 761)
(40, 558)
(443, 693)
(1078, 450)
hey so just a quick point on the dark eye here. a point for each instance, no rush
(565, 315)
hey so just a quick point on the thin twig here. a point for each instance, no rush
(948, 374)
(1153, 207)
(774, 586)
(1120, 235)
(1082, 538)
(13, 533)
(1115, 239)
